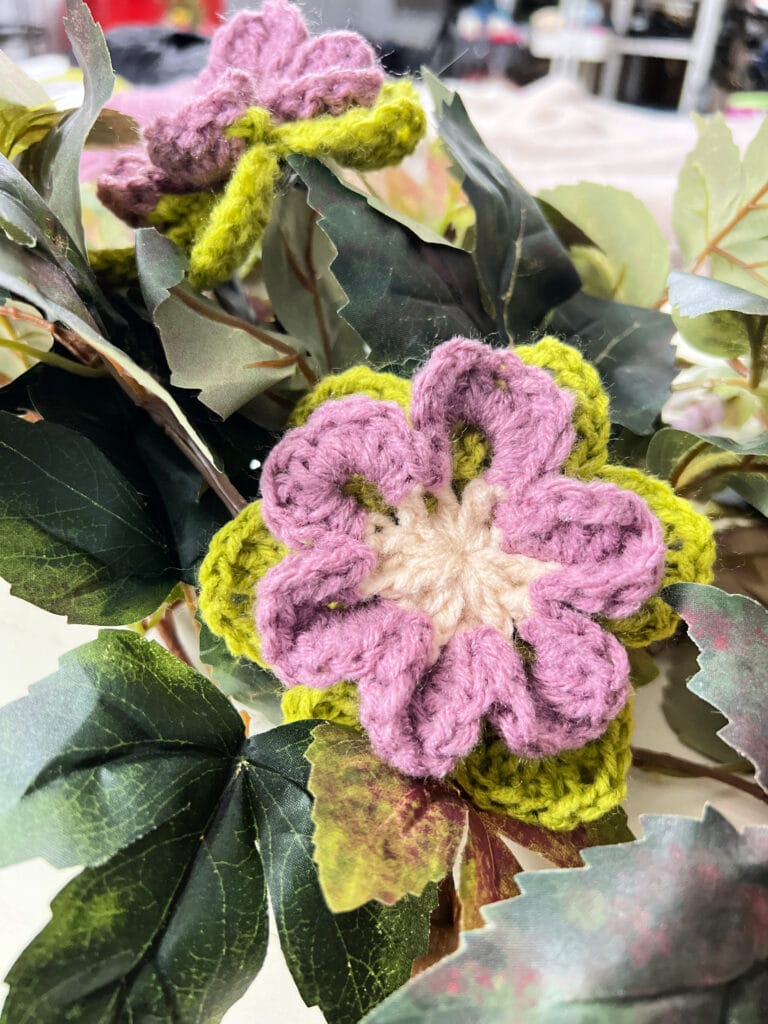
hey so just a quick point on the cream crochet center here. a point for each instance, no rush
(444, 558)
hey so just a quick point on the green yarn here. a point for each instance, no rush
(183, 217)
(114, 267)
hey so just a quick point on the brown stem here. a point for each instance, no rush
(713, 243)
(743, 467)
(685, 462)
(668, 764)
(90, 367)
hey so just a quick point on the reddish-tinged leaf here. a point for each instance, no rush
(671, 928)
(731, 632)
(488, 868)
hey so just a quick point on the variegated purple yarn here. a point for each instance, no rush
(449, 611)
(264, 59)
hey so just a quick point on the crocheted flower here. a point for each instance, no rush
(268, 90)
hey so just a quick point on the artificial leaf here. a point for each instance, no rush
(384, 267)
(17, 338)
(595, 270)
(718, 318)
(76, 536)
(695, 721)
(523, 269)
(624, 230)
(227, 360)
(379, 834)
(701, 465)
(630, 348)
(26, 111)
(305, 296)
(731, 632)
(113, 128)
(246, 682)
(667, 928)
(720, 214)
(131, 737)
(60, 184)
(343, 963)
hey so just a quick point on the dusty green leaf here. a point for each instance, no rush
(305, 296)
(59, 183)
(671, 927)
(249, 684)
(343, 963)
(229, 362)
(715, 317)
(77, 538)
(720, 213)
(384, 267)
(630, 348)
(625, 232)
(731, 632)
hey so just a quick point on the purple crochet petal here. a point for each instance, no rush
(132, 187)
(304, 474)
(579, 680)
(524, 416)
(382, 647)
(191, 145)
(608, 541)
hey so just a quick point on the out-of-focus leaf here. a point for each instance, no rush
(382, 266)
(595, 271)
(252, 686)
(305, 296)
(14, 362)
(642, 668)
(742, 559)
(717, 318)
(624, 230)
(720, 213)
(228, 361)
(61, 150)
(671, 927)
(630, 347)
(731, 632)
(379, 834)
(130, 755)
(523, 269)
(113, 128)
(343, 963)
(77, 538)
(17, 87)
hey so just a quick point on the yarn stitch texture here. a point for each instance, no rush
(556, 791)
(209, 169)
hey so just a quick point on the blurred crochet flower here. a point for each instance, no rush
(208, 175)
(448, 609)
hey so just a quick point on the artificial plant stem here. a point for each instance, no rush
(60, 362)
(685, 462)
(668, 764)
(746, 466)
(756, 329)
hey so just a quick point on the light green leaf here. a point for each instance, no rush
(597, 275)
(731, 632)
(630, 348)
(17, 87)
(718, 318)
(229, 362)
(668, 928)
(523, 269)
(343, 963)
(77, 538)
(626, 233)
(15, 361)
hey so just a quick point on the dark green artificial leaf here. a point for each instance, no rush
(343, 963)
(243, 680)
(718, 318)
(305, 296)
(227, 360)
(404, 296)
(77, 538)
(702, 464)
(695, 721)
(669, 928)
(731, 632)
(60, 183)
(630, 347)
(523, 269)
(122, 738)
(720, 214)
(611, 218)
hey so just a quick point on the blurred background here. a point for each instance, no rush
(665, 54)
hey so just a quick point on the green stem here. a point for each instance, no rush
(668, 764)
(53, 360)
(756, 330)
(685, 462)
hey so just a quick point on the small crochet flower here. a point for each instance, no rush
(208, 172)
(449, 608)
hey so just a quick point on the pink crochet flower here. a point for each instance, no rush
(446, 610)
(265, 59)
